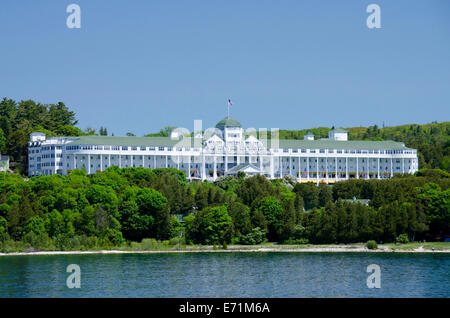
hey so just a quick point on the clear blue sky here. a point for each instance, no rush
(140, 65)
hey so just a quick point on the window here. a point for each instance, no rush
(124, 148)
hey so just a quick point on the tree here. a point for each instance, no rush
(325, 194)
(310, 194)
(35, 225)
(152, 203)
(212, 225)
(2, 141)
(240, 214)
(273, 211)
(436, 204)
(54, 224)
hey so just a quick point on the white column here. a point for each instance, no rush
(143, 161)
(215, 167)
(131, 161)
(307, 167)
(226, 161)
(154, 161)
(326, 168)
(392, 172)
(271, 167)
(357, 168)
(89, 163)
(281, 166)
(109, 160)
(101, 162)
(120, 161)
(378, 169)
(189, 167)
(74, 162)
(403, 165)
(203, 167)
(290, 166)
(368, 166)
(335, 168)
(346, 168)
(300, 168)
(317, 169)
(178, 162)
(261, 168)
(167, 162)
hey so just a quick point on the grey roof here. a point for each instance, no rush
(283, 143)
(228, 122)
(240, 167)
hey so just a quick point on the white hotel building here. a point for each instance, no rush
(225, 150)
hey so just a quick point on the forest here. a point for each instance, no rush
(120, 206)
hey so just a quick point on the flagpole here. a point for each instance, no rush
(228, 104)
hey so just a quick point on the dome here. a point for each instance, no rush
(228, 122)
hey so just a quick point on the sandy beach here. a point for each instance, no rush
(246, 249)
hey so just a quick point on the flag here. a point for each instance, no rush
(230, 103)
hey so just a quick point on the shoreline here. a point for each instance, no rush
(235, 250)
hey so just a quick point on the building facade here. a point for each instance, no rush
(226, 150)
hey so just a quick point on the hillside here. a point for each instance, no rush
(431, 140)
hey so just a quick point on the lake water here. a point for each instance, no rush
(227, 275)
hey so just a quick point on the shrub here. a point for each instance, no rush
(371, 245)
(402, 239)
(292, 241)
(256, 236)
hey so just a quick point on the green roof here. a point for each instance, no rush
(339, 144)
(131, 141)
(283, 143)
(228, 122)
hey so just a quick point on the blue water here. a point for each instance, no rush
(227, 275)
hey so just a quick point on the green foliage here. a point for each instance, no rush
(211, 225)
(436, 204)
(254, 237)
(371, 245)
(273, 212)
(402, 239)
(164, 132)
(35, 225)
(19, 119)
(120, 206)
(292, 241)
